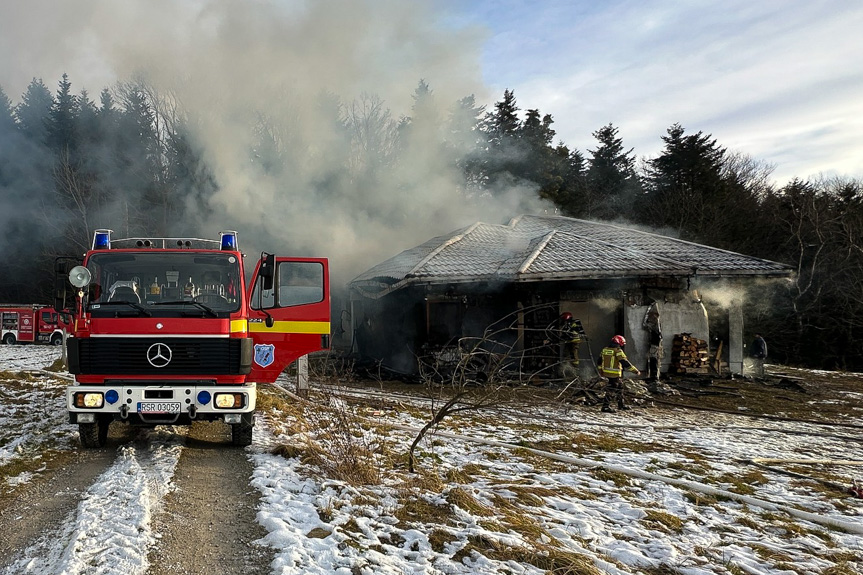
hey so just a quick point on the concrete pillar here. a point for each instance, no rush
(303, 376)
(735, 338)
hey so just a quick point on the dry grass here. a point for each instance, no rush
(58, 365)
(550, 559)
(415, 509)
(330, 437)
(618, 479)
(463, 499)
(742, 483)
(777, 395)
(439, 538)
(698, 498)
(663, 521)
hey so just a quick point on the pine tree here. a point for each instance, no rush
(62, 120)
(682, 181)
(611, 182)
(466, 143)
(7, 116)
(504, 162)
(34, 111)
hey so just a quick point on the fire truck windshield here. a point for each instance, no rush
(164, 283)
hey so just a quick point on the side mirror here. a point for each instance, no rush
(267, 271)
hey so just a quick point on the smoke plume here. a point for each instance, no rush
(239, 73)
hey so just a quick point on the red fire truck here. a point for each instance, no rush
(30, 323)
(167, 331)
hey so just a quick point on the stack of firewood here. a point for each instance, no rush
(689, 355)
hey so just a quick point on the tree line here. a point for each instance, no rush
(67, 162)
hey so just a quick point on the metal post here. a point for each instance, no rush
(303, 376)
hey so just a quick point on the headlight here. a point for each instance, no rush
(91, 400)
(228, 400)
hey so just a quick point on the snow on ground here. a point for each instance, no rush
(481, 507)
(27, 429)
(109, 533)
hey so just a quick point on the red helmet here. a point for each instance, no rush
(619, 340)
(566, 316)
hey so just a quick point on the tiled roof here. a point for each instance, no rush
(532, 248)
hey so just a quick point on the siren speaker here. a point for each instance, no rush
(80, 276)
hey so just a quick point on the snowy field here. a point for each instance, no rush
(648, 492)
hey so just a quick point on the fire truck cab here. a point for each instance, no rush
(32, 323)
(166, 331)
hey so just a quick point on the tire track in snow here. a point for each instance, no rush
(109, 532)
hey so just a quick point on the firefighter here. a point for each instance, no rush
(613, 363)
(655, 353)
(567, 332)
(759, 354)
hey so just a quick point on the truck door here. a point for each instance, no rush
(27, 325)
(289, 313)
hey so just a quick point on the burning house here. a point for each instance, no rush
(504, 285)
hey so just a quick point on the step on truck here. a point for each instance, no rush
(166, 331)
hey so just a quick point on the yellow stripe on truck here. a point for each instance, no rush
(318, 327)
(239, 326)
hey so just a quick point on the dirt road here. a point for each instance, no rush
(185, 507)
(208, 520)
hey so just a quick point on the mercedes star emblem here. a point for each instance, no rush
(159, 355)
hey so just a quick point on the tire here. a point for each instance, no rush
(57, 339)
(241, 433)
(94, 435)
(9, 339)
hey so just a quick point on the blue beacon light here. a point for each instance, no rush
(111, 396)
(203, 397)
(229, 240)
(102, 240)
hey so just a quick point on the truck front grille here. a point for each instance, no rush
(154, 356)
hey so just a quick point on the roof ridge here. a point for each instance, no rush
(439, 249)
(538, 250)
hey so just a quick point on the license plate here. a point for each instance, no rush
(158, 407)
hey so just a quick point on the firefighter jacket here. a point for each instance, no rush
(614, 362)
(569, 332)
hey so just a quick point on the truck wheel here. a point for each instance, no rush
(241, 433)
(57, 339)
(94, 435)
(9, 339)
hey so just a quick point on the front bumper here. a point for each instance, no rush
(160, 403)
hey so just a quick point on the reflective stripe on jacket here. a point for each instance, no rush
(613, 362)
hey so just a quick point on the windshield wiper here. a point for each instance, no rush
(141, 309)
(197, 304)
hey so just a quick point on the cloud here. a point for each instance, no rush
(776, 81)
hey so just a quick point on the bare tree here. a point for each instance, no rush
(489, 372)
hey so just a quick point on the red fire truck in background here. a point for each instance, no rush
(33, 323)
(167, 331)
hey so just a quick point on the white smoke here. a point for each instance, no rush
(241, 67)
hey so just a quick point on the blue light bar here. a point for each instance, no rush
(102, 240)
(229, 240)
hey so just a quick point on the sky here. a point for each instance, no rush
(608, 489)
(780, 81)
(777, 81)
